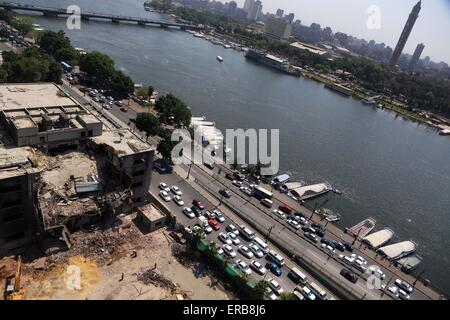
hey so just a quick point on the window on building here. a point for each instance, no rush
(13, 203)
(15, 236)
(83, 134)
(137, 185)
(10, 188)
(14, 216)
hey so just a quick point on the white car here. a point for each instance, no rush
(393, 290)
(234, 238)
(229, 251)
(327, 248)
(244, 267)
(178, 201)
(245, 251)
(237, 183)
(404, 286)
(165, 196)
(271, 295)
(258, 267)
(403, 295)
(279, 213)
(375, 270)
(294, 223)
(188, 212)
(176, 191)
(256, 250)
(164, 187)
(232, 228)
(246, 190)
(224, 238)
(207, 228)
(275, 286)
(302, 220)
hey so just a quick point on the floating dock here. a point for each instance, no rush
(398, 250)
(410, 263)
(362, 229)
(308, 192)
(379, 238)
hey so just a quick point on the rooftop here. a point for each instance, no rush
(151, 212)
(16, 96)
(124, 142)
(15, 162)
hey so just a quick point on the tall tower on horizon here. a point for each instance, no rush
(416, 57)
(405, 34)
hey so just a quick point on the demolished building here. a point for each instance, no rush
(92, 171)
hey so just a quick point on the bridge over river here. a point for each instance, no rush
(61, 12)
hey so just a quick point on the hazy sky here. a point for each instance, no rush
(350, 16)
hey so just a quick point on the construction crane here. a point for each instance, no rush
(12, 287)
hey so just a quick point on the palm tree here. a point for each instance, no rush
(199, 234)
(260, 289)
(212, 248)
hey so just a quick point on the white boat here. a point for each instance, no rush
(368, 101)
(220, 58)
(362, 229)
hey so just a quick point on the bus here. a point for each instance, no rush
(261, 193)
(297, 276)
(318, 291)
(264, 247)
(66, 67)
(275, 257)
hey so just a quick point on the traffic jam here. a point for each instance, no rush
(248, 252)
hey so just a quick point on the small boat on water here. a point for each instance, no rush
(219, 58)
(369, 101)
(329, 215)
(362, 229)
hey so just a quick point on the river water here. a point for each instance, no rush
(386, 166)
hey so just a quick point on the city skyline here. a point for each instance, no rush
(429, 29)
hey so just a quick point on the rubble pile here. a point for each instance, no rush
(152, 277)
(101, 245)
(183, 255)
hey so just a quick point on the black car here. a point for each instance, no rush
(197, 211)
(226, 193)
(347, 246)
(330, 243)
(349, 275)
(299, 214)
(229, 176)
(339, 245)
(319, 230)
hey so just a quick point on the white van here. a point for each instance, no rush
(297, 276)
(275, 257)
(246, 233)
(318, 291)
(267, 203)
(264, 247)
(202, 220)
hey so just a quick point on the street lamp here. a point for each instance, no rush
(270, 231)
(189, 172)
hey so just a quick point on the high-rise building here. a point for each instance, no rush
(255, 11)
(232, 7)
(248, 5)
(280, 13)
(405, 34)
(416, 56)
(290, 17)
(278, 29)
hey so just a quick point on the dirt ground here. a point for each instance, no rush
(107, 265)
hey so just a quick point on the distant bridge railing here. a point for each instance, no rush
(87, 15)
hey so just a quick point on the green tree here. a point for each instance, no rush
(199, 234)
(98, 65)
(173, 111)
(260, 289)
(287, 296)
(23, 24)
(165, 148)
(57, 45)
(148, 123)
(121, 85)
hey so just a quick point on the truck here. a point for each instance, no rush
(261, 193)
